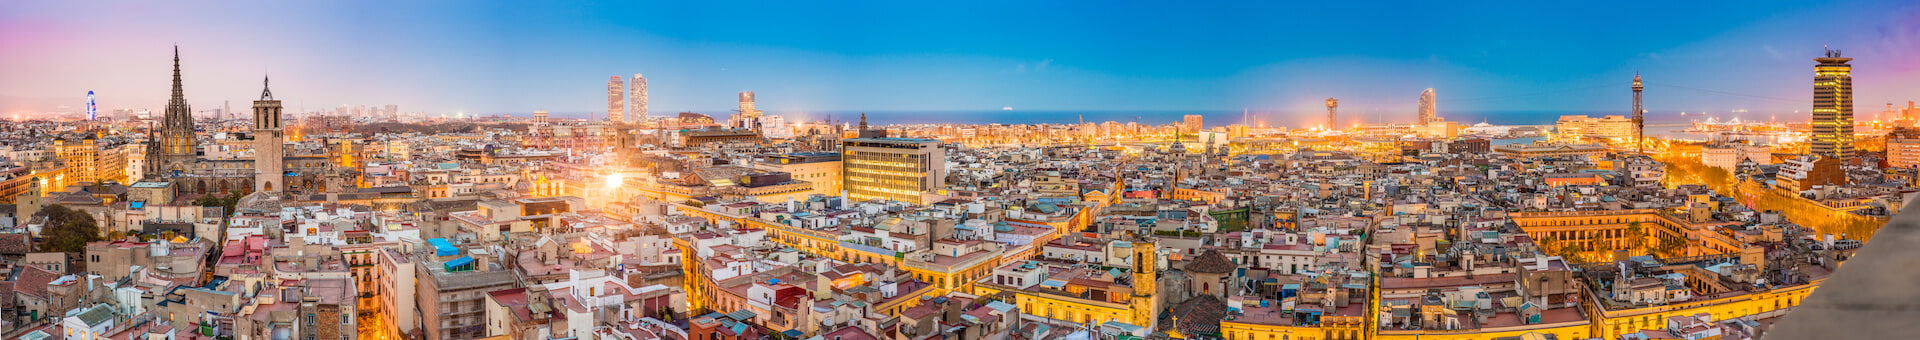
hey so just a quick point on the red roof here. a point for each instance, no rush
(33, 281)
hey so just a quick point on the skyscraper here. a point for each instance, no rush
(616, 104)
(170, 151)
(749, 117)
(93, 111)
(1426, 106)
(1194, 123)
(1833, 106)
(1639, 117)
(637, 101)
(269, 142)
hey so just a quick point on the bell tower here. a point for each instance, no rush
(1146, 276)
(269, 142)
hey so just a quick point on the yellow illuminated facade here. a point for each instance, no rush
(899, 169)
(1833, 106)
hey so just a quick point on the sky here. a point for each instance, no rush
(500, 56)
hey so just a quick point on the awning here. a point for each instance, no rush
(459, 262)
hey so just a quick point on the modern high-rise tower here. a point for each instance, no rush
(616, 104)
(170, 151)
(749, 117)
(746, 105)
(93, 111)
(637, 100)
(1833, 106)
(269, 142)
(1194, 123)
(1426, 106)
(1639, 117)
(1333, 121)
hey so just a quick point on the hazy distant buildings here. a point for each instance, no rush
(1194, 123)
(1574, 127)
(1833, 106)
(1729, 156)
(1903, 147)
(616, 103)
(1426, 106)
(637, 101)
(749, 117)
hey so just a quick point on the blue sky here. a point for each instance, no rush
(461, 56)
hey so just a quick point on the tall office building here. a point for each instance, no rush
(1833, 106)
(616, 103)
(1194, 123)
(171, 151)
(93, 109)
(1426, 106)
(749, 117)
(637, 100)
(746, 105)
(269, 142)
(899, 169)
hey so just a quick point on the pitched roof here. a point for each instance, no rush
(15, 244)
(1211, 262)
(1199, 315)
(96, 315)
(33, 281)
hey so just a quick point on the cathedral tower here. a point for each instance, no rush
(171, 151)
(269, 143)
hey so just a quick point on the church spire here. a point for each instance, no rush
(266, 92)
(863, 121)
(179, 95)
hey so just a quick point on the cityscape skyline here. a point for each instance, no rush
(1719, 64)
(1391, 217)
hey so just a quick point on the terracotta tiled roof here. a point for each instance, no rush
(1211, 262)
(33, 281)
(1201, 314)
(15, 244)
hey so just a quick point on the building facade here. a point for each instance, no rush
(1580, 127)
(1903, 148)
(1426, 106)
(900, 169)
(1833, 107)
(616, 99)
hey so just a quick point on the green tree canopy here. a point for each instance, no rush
(67, 230)
(226, 202)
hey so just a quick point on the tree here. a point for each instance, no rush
(216, 201)
(1636, 235)
(67, 230)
